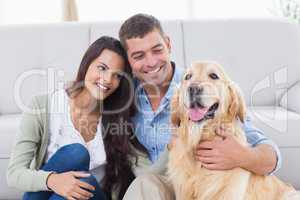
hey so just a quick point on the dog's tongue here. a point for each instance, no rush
(196, 114)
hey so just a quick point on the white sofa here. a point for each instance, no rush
(261, 55)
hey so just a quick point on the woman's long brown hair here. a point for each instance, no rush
(116, 126)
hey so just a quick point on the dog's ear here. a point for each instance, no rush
(237, 106)
(175, 118)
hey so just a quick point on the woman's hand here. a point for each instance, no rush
(69, 186)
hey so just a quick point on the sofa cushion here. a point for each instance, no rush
(5, 191)
(289, 171)
(20, 52)
(9, 125)
(277, 123)
(282, 126)
(291, 99)
(26, 54)
(260, 55)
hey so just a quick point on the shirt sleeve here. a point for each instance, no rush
(256, 137)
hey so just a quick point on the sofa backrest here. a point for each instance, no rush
(261, 55)
(32, 53)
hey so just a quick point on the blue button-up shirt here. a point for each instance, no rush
(153, 129)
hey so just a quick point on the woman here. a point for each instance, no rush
(81, 139)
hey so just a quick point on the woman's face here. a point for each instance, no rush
(104, 74)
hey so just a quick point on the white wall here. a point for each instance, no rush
(41, 11)
(232, 8)
(29, 11)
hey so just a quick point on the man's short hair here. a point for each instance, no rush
(138, 26)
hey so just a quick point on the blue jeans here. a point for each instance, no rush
(72, 157)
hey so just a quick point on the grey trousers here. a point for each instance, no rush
(150, 187)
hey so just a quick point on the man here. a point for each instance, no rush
(148, 49)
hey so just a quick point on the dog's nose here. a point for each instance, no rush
(195, 91)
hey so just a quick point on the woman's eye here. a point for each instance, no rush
(213, 76)
(101, 68)
(188, 77)
(118, 76)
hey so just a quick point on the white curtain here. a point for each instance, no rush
(69, 10)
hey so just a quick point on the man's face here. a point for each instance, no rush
(149, 57)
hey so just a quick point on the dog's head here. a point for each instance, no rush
(206, 94)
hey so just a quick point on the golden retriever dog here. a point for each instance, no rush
(205, 100)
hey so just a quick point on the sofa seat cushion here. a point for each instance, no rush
(282, 126)
(291, 99)
(5, 191)
(9, 125)
(277, 123)
(273, 120)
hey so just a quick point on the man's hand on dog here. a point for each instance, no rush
(222, 153)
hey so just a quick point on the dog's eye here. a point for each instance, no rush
(188, 77)
(213, 76)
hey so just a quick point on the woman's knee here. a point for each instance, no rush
(77, 154)
(76, 150)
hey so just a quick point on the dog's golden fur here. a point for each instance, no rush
(190, 180)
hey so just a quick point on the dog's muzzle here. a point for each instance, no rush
(197, 111)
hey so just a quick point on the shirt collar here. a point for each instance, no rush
(175, 81)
